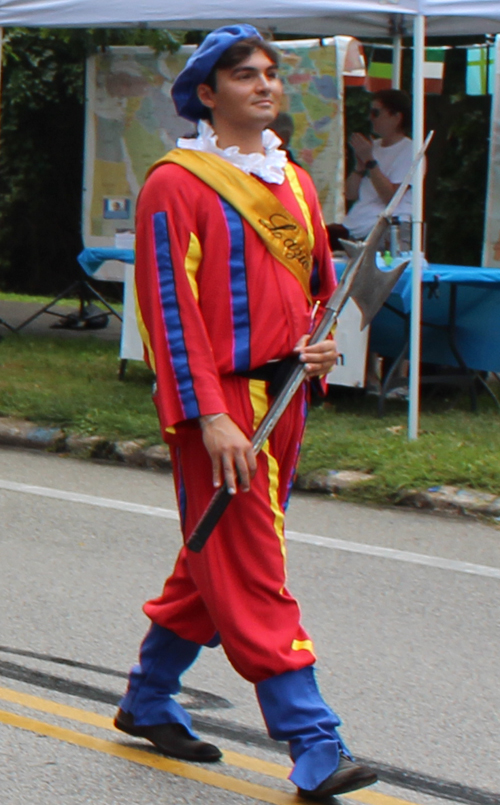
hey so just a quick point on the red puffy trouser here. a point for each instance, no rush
(236, 586)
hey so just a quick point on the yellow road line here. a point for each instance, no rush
(106, 723)
(367, 797)
(189, 772)
(49, 706)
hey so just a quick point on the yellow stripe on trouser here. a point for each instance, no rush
(258, 398)
(306, 645)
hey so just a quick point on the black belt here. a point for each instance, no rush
(275, 373)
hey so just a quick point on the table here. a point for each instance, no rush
(460, 324)
(92, 260)
(104, 264)
(460, 317)
(462, 301)
(82, 290)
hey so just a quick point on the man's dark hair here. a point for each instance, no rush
(395, 100)
(234, 55)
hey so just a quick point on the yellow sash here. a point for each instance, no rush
(283, 235)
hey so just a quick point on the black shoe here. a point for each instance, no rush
(348, 776)
(172, 740)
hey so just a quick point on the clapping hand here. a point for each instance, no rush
(362, 147)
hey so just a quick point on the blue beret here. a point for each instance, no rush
(200, 64)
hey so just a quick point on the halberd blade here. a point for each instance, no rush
(371, 286)
(352, 249)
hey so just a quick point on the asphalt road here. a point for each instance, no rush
(403, 607)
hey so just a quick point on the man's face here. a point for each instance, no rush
(383, 121)
(248, 94)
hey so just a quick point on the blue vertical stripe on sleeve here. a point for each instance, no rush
(172, 319)
(239, 289)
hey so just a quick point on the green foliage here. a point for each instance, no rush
(357, 102)
(456, 195)
(41, 150)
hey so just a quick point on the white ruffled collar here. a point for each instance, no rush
(269, 166)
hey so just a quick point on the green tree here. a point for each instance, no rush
(41, 150)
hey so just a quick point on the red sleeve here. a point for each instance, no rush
(176, 341)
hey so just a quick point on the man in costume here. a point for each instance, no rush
(231, 255)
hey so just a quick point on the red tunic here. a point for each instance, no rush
(212, 299)
(214, 302)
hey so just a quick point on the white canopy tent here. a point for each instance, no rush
(387, 18)
(318, 17)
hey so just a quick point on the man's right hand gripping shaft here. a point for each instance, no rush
(232, 455)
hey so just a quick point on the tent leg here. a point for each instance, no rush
(1, 57)
(417, 214)
(397, 52)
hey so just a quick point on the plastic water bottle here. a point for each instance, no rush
(394, 236)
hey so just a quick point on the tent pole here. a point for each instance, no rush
(417, 216)
(1, 56)
(397, 52)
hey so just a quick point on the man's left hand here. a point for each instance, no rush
(319, 358)
(362, 147)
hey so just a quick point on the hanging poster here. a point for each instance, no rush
(131, 122)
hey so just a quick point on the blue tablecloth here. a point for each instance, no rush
(471, 276)
(477, 328)
(477, 312)
(92, 259)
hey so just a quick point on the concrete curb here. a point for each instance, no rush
(450, 499)
(453, 499)
(20, 433)
(332, 481)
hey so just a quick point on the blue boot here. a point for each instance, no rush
(294, 711)
(148, 710)
(163, 658)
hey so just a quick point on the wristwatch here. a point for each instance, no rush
(372, 163)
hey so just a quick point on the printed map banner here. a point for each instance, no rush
(131, 122)
(491, 246)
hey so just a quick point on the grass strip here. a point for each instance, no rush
(455, 446)
(73, 384)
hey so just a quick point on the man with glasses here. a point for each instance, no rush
(380, 166)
